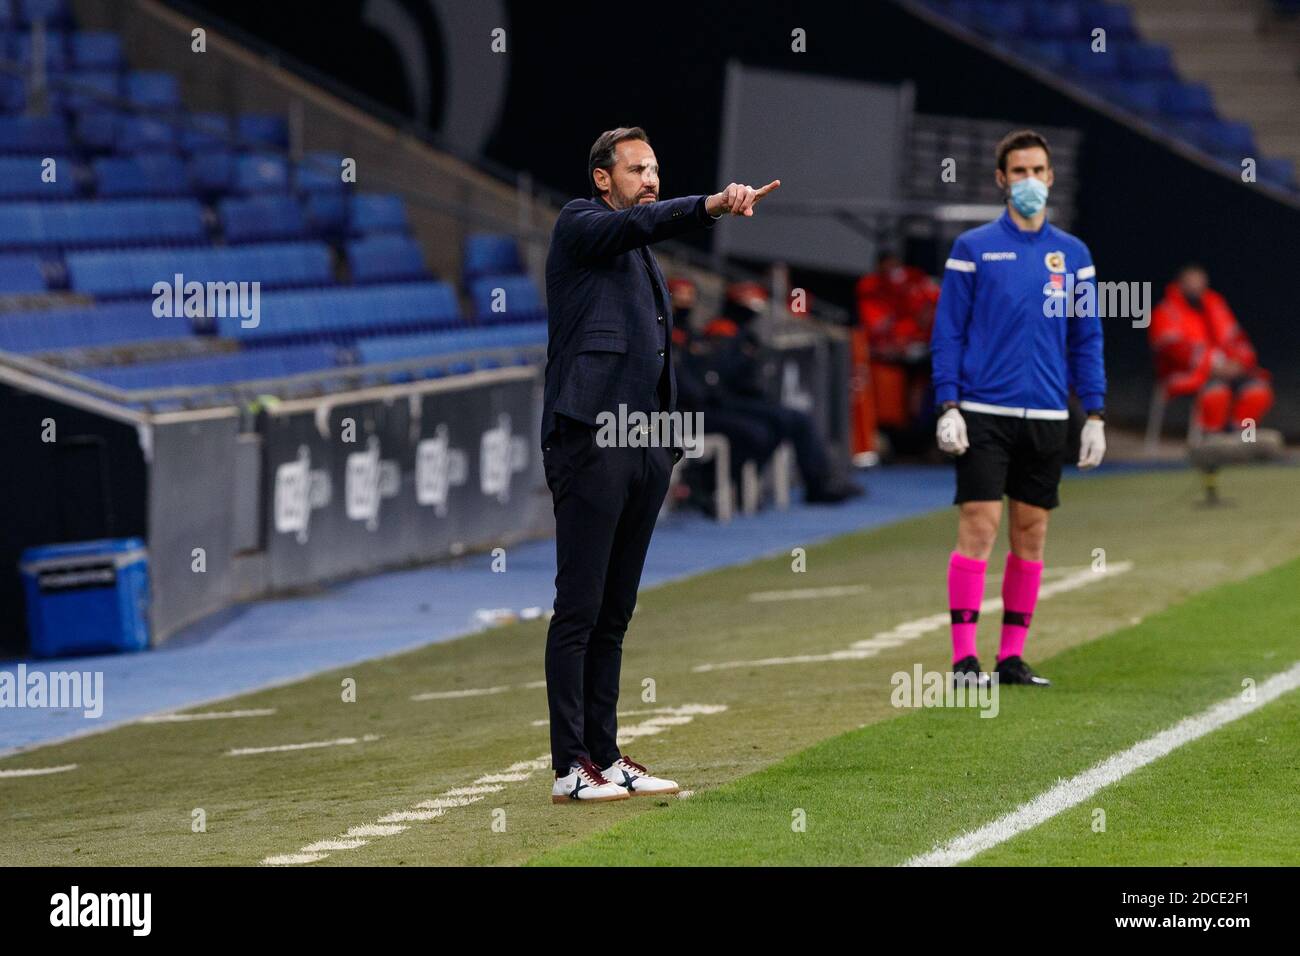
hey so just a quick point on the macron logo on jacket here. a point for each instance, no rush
(993, 343)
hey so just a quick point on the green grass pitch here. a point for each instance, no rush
(1211, 600)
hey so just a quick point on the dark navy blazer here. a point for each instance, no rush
(609, 312)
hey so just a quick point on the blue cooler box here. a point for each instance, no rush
(89, 597)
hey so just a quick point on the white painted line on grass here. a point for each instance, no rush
(664, 717)
(37, 771)
(808, 594)
(1072, 792)
(316, 744)
(455, 694)
(206, 715)
(910, 630)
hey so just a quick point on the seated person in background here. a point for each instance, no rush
(896, 308)
(724, 374)
(1201, 350)
(749, 440)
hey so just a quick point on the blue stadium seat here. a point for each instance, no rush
(53, 12)
(1146, 61)
(150, 89)
(1228, 140)
(506, 299)
(319, 172)
(20, 273)
(397, 348)
(134, 272)
(341, 314)
(206, 132)
(261, 173)
(95, 51)
(22, 178)
(261, 218)
(98, 223)
(34, 134)
(376, 212)
(56, 50)
(1056, 21)
(1114, 18)
(1095, 68)
(222, 369)
(1276, 171)
(1141, 96)
(144, 134)
(147, 174)
(112, 324)
(84, 92)
(1184, 101)
(488, 253)
(97, 129)
(263, 129)
(388, 258)
(327, 214)
(212, 172)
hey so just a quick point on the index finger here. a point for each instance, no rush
(760, 193)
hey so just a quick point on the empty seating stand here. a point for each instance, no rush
(512, 298)
(82, 224)
(105, 325)
(134, 272)
(217, 369)
(385, 258)
(342, 314)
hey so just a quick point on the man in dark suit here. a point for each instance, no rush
(610, 323)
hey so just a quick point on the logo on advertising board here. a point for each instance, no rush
(438, 468)
(299, 490)
(501, 454)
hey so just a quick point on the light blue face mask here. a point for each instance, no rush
(1028, 196)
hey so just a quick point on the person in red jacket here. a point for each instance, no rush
(1201, 350)
(896, 307)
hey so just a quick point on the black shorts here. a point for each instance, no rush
(1017, 457)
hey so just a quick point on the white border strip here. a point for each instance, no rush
(1072, 792)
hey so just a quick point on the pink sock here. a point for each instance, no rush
(1019, 596)
(965, 594)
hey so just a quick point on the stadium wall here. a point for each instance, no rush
(1145, 204)
(237, 505)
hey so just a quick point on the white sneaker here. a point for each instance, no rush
(585, 783)
(638, 781)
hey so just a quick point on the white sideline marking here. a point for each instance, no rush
(805, 594)
(282, 748)
(334, 845)
(454, 694)
(406, 816)
(685, 710)
(293, 859)
(910, 630)
(37, 771)
(206, 715)
(373, 830)
(465, 796)
(446, 803)
(1070, 793)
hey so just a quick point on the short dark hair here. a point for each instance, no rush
(1021, 139)
(602, 151)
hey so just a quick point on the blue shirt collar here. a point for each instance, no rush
(1009, 224)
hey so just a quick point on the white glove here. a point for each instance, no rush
(951, 432)
(1092, 443)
